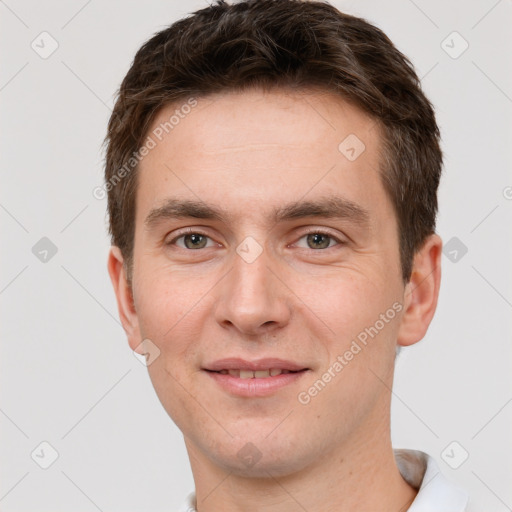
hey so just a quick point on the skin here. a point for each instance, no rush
(249, 153)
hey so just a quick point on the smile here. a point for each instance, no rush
(251, 379)
(258, 374)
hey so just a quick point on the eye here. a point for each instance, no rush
(191, 240)
(318, 239)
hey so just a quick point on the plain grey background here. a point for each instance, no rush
(68, 377)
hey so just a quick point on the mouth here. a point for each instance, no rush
(254, 378)
(257, 374)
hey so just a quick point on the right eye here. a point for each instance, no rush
(191, 240)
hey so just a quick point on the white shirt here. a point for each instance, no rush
(435, 492)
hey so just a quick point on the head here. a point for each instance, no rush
(294, 144)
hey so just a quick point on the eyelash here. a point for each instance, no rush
(313, 231)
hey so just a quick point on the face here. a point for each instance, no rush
(267, 274)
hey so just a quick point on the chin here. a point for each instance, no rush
(266, 467)
(264, 458)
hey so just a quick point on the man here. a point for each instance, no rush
(272, 170)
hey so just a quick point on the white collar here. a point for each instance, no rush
(435, 492)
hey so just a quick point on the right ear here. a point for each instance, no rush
(124, 297)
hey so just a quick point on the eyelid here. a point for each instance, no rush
(304, 232)
(323, 231)
(186, 231)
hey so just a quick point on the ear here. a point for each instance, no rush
(421, 292)
(124, 296)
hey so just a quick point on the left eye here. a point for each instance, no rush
(192, 240)
(319, 240)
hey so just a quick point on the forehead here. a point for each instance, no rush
(264, 148)
(305, 118)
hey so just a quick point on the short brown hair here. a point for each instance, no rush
(281, 43)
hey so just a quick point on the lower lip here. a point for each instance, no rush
(255, 387)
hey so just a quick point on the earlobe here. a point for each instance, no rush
(124, 297)
(422, 292)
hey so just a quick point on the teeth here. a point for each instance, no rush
(258, 374)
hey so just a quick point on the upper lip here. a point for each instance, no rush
(235, 363)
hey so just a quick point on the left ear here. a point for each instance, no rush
(421, 292)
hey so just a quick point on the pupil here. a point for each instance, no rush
(316, 239)
(195, 240)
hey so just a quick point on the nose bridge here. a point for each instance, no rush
(252, 298)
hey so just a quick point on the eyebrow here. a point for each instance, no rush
(328, 207)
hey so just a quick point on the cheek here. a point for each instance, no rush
(346, 301)
(363, 316)
(166, 316)
(163, 297)
(360, 360)
(171, 317)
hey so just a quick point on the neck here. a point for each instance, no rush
(361, 474)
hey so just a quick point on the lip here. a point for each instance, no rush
(235, 363)
(257, 387)
(254, 387)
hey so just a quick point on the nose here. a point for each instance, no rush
(253, 298)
